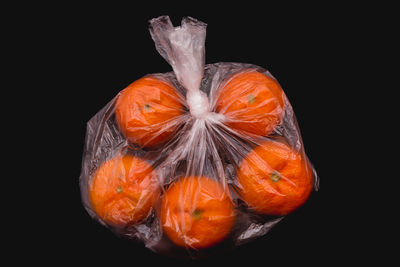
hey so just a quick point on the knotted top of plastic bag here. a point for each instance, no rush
(183, 47)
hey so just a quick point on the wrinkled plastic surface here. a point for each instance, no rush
(197, 160)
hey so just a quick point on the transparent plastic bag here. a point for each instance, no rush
(197, 160)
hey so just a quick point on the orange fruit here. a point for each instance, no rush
(123, 190)
(146, 111)
(196, 212)
(252, 102)
(274, 179)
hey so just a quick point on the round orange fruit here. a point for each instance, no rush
(196, 212)
(146, 111)
(123, 190)
(252, 102)
(274, 179)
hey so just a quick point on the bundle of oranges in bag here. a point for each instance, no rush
(203, 158)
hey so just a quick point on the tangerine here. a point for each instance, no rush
(252, 102)
(274, 179)
(123, 190)
(146, 111)
(196, 212)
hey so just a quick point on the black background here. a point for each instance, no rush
(88, 54)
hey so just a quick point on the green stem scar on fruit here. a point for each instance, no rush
(275, 176)
(119, 189)
(147, 107)
(251, 99)
(197, 214)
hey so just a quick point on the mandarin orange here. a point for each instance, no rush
(146, 111)
(252, 102)
(123, 190)
(196, 212)
(275, 179)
